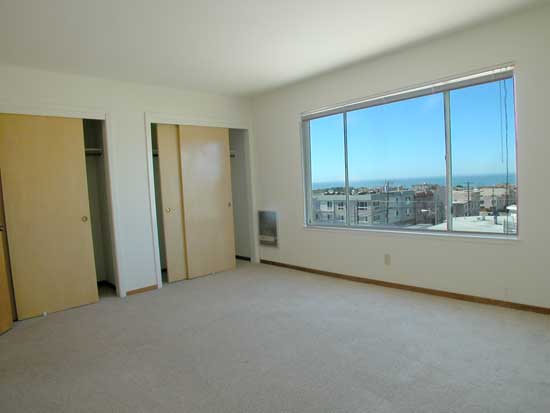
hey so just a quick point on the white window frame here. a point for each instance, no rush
(444, 86)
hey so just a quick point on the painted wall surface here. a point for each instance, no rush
(241, 189)
(126, 104)
(517, 271)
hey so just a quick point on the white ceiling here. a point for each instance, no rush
(224, 46)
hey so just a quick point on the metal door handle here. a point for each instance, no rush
(84, 218)
(168, 210)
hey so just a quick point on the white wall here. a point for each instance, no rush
(517, 271)
(241, 191)
(125, 104)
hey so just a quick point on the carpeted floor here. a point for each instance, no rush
(266, 339)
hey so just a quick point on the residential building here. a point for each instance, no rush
(372, 208)
(497, 197)
(466, 202)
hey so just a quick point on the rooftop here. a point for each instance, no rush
(475, 224)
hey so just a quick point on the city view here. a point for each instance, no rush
(475, 207)
(397, 168)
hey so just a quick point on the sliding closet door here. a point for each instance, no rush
(207, 196)
(172, 203)
(7, 309)
(47, 213)
(6, 313)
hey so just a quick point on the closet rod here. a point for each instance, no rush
(93, 151)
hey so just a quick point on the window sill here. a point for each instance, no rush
(461, 236)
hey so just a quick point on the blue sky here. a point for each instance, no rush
(406, 139)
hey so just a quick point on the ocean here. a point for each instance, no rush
(474, 180)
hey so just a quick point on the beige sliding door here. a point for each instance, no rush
(205, 167)
(172, 203)
(6, 312)
(43, 169)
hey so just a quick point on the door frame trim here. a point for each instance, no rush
(109, 151)
(174, 119)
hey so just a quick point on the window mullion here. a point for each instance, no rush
(448, 159)
(348, 220)
(307, 171)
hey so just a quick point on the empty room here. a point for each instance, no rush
(274, 206)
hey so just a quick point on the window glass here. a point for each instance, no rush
(484, 158)
(328, 172)
(396, 155)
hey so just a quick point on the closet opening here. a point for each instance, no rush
(242, 200)
(97, 179)
(158, 203)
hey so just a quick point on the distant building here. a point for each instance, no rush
(329, 209)
(497, 197)
(430, 205)
(466, 202)
(383, 208)
(372, 208)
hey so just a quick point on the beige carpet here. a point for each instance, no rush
(265, 339)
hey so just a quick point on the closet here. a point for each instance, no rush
(96, 173)
(47, 209)
(240, 187)
(194, 215)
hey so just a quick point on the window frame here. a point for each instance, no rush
(445, 86)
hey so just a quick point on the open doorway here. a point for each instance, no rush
(240, 184)
(158, 203)
(96, 174)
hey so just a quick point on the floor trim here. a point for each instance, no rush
(142, 290)
(242, 257)
(439, 293)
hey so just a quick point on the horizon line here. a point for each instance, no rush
(414, 177)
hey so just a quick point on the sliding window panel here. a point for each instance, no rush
(396, 164)
(327, 203)
(484, 158)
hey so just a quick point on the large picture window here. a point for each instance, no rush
(437, 158)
